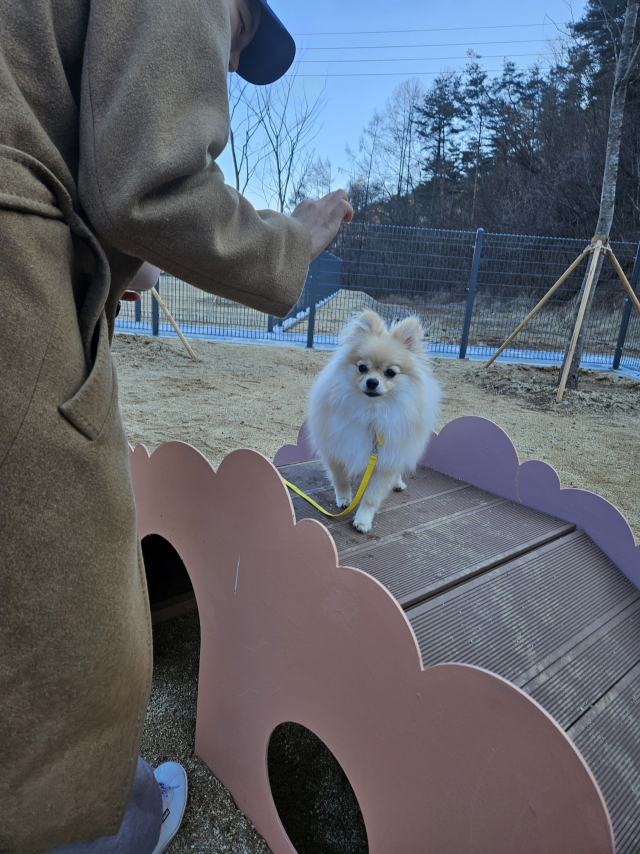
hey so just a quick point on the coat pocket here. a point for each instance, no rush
(89, 407)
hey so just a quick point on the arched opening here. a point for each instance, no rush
(170, 589)
(314, 798)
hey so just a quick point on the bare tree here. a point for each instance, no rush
(386, 168)
(400, 144)
(626, 60)
(288, 123)
(364, 181)
(247, 145)
(315, 179)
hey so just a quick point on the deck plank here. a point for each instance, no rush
(522, 612)
(488, 582)
(436, 533)
(579, 679)
(608, 737)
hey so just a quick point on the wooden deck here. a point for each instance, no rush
(488, 582)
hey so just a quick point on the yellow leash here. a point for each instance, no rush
(363, 485)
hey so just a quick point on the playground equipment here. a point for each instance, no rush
(474, 672)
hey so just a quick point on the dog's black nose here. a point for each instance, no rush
(372, 383)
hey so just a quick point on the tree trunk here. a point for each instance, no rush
(236, 169)
(624, 66)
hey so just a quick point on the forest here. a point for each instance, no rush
(521, 152)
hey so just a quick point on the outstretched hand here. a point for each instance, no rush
(323, 218)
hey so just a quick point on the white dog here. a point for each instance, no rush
(378, 379)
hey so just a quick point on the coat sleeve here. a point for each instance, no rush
(154, 116)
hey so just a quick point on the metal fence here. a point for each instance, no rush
(470, 289)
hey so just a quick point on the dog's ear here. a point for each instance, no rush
(366, 323)
(408, 332)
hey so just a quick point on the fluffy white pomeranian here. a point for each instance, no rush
(377, 379)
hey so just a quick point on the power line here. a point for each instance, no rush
(435, 29)
(422, 58)
(387, 73)
(444, 44)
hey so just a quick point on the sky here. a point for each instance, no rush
(430, 37)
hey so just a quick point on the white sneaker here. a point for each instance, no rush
(172, 780)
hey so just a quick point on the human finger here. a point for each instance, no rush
(346, 210)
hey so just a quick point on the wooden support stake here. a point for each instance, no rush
(549, 293)
(173, 323)
(576, 331)
(623, 279)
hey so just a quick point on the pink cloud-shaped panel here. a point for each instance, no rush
(448, 759)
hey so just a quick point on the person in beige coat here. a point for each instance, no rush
(112, 115)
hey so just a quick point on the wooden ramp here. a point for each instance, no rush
(474, 676)
(489, 582)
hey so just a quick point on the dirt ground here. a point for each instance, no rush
(254, 396)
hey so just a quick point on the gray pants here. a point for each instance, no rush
(140, 827)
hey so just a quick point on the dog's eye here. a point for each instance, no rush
(389, 373)
(363, 369)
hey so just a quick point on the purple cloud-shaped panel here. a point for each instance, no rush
(478, 451)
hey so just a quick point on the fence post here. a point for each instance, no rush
(473, 278)
(314, 273)
(155, 312)
(137, 308)
(270, 323)
(626, 314)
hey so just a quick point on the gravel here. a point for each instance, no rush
(312, 794)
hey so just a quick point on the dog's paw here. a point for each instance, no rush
(343, 501)
(362, 525)
(399, 485)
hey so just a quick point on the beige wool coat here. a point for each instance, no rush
(112, 115)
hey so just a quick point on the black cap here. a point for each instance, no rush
(270, 53)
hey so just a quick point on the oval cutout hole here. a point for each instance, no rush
(170, 589)
(313, 796)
